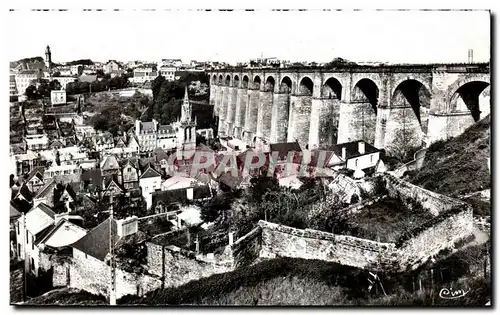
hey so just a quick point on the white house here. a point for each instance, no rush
(58, 97)
(357, 155)
(149, 181)
(41, 227)
(28, 228)
(168, 73)
(36, 142)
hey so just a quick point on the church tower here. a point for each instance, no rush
(48, 58)
(186, 131)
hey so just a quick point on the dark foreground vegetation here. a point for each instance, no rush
(286, 281)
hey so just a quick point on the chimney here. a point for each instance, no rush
(361, 147)
(127, 226)
(344, 153)
(231, 240)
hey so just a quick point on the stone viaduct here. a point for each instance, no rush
(387, 106)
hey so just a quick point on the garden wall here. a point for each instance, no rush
(94, 276)
(285, 241)
(410, 194)
(441, 233)
(247, 249)
(178, 266)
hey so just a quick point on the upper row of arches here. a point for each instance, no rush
(408, 92)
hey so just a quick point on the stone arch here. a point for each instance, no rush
(413, 93)
(286, 85)
(306, 86)
(270, 83)
(220, 79)
(473, 96)
(244, 82)
(332, 88)
(236, 81)
(366, 91)
(396, 83)
(214, 79)
(227, 82)
(256, 82)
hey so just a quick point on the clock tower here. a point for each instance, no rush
(186, 131)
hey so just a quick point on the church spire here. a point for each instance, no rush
(186, 108)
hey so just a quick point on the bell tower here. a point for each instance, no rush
(186, 130)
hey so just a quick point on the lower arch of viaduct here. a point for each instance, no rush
(385, 106)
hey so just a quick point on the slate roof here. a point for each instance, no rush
(147, 127)
(46, 189)
(39, 218)
(109, 163)
(160, 154)
(96, 242)
(149, 173)
(51, 230)
(284, 148)
(112, 180)
(352, 149)
(165, 129)
(37, 171)
(134, 162)
(14, 213)
(26, 193)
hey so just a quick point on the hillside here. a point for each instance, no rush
(458, 166)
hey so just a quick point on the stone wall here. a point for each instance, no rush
(247, 249)
(409, 194)
(429, 241)
(177, 266)
(285, 241)
(94, 276)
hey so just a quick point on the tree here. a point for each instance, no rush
(404, 140)
(54, 85)
(99, 73)
(31, 92)
(156, 86)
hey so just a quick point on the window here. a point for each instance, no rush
(27, 236)
(129, 169)
(32, 242)
(356, 162)
(32, 264)
(371, 158)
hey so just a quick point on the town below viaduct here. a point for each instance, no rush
(388, 106)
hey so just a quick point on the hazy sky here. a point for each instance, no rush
(389, 36)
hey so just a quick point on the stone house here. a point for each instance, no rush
(130, 174)
(110, 167)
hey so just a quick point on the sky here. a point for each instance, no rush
(314, 35)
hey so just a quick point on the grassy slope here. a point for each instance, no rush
(459, 165)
